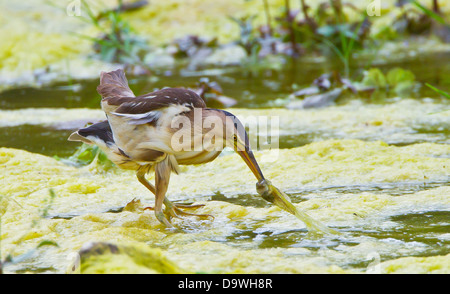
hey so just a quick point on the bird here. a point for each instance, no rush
(100, 134)
(161, 130)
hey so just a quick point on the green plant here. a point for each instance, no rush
(430, 13)
(417, 19)
(341, 39)
(397, 81)
(117, 42)
(247, 35)
(443, 93)
(89, 154)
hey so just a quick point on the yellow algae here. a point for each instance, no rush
(366, 205)
(400, 120)
(417, 265)
(32, 39)
(242, 238)
(227, 259)
(332, 162)
(99, 258)
(47, 116)
(76, 217)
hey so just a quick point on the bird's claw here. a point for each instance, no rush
(162, 219)
(174, 210)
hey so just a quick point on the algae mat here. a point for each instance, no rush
(350, 185)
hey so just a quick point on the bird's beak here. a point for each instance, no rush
(77, 137)
(272, 194)
(249, 158)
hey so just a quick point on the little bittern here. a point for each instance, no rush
(161, 130)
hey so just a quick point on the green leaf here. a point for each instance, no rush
(374, 78)
(398, 75)
(404, 89)
(378, 96)
(443, 93)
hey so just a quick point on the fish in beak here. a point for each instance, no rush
(265, 188)
(272, 194)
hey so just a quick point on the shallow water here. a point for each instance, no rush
(251, 91)
(402, 213)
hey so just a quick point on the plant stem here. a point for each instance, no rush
(268, 17)
(436, 7)
(291, 27)
(337, 8)
(310, 22)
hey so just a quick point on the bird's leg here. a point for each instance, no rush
(140, 174)
(172, 209)
(162, 177)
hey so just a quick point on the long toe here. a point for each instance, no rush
(178, 211)
(188, 205)
(162, 219)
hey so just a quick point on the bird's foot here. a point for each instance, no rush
(174, 210)
(162, 219)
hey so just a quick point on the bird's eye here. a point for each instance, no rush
(235, 138)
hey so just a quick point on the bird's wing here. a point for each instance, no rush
(149, 108)
(114, 84)
(141, 118)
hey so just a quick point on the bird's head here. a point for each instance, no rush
(237, 138)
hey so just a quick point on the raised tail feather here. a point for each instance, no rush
(114, 84)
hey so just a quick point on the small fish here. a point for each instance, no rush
(272, 194)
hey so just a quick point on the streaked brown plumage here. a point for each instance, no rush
(139, 134)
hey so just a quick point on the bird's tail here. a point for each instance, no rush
(114, 84)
